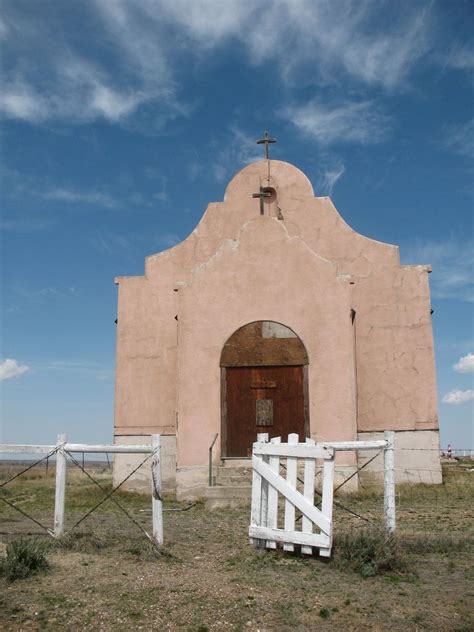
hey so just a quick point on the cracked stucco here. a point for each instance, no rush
(330, 269)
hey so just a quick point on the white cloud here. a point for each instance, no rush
(44, 294)
(329, 177)
(452, 261)
(461, 58)
(147, 42)
(109, 242)
(19, 101)
(60, 83)
(460, 139)
(3, 29)
(11, 368)
(465, 364)
(360, 122)
(77, 93)
(340, 35)
(93, 198)
(235, 150)
(458, 397)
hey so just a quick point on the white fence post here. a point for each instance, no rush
(60, 492)
(327, 501)
(389, 481)
(156, 502)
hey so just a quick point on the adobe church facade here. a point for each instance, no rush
(275, 316)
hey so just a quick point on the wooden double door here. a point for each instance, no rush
(262, 399)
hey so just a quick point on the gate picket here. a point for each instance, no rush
(291, 473)
(266, 476)
(309, 480)
(272, 516)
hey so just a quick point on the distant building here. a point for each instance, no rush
(275, 316)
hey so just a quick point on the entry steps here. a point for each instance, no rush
(232, 484)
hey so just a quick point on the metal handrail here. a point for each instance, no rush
(211, 480)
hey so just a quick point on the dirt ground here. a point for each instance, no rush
(107, 576)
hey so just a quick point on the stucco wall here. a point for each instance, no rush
(306, 270)
(219, 299)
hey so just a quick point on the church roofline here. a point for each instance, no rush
(301, 182)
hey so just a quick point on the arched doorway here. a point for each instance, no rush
(264, 386)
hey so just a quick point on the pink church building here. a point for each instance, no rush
(275, 316)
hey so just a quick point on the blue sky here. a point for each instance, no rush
(121, 120)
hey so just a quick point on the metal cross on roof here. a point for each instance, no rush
(266, 140)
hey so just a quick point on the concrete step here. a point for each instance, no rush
(228, 496)
(234, 462)
(228, 474)
(233, 481)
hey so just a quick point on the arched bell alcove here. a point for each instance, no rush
(264, 386)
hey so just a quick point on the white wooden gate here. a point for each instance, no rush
(315, 525)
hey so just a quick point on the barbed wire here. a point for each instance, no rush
(335, 502)
(114, 500)
(359, 469)
(109, 495)
(15, 476)
(13, 506)
(32, 465)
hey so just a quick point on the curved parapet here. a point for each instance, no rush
(283, 176)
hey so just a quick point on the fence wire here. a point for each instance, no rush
(31, 466)
(18, 474)
(336, 503)
(109, 495)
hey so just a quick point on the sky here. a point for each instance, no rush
(122, 119)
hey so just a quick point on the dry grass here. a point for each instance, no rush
(208, 577)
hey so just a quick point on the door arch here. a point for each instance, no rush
(264, 386)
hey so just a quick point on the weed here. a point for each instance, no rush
(23, 558)
(369, 552)
(84, 542)
(441, 544)
(148, 551)
(325, 613)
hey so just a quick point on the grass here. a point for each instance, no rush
(23, 557)
(441, 544)
(106, 575)
(83, 541)
(369, 552)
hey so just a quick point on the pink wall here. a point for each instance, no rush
(306, 271)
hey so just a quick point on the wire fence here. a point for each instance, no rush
(31, 491)
(27, 496)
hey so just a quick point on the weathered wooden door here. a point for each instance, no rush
(262, 399)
